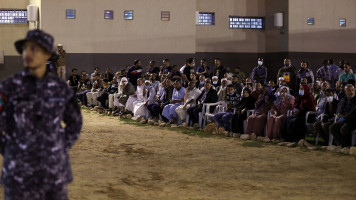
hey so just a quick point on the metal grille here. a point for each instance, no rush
(246, 22)
(13, 17)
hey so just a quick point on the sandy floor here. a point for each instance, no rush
(114, 160)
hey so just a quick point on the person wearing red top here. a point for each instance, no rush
(294, 126)
(258, 92)
(279, 110)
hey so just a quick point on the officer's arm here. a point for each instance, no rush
(3, 119)
(73, 120)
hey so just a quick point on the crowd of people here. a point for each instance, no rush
(275, 107)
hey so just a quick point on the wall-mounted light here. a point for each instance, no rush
(278, 20)
(32, 15)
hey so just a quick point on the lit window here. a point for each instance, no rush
(70, 14)
(13, 16)
(165, 15)
(342, 22)
(206, 18)
(310, 21)
(109, 14)
(128, 14)
(246, 22)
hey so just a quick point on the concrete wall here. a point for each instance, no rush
(146, 33)
(326, 35)
(219, 38)
(9, 33)
(90, 40)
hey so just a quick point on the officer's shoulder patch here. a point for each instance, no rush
(3, 101)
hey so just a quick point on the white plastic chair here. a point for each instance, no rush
(245, 123)
(220, 108)
(205, 114)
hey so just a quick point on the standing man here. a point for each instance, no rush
(333, 68)
(220, 70)
(288, 73)
(259, 73)
(35, 145)
(134, 73)
(324, 72)
(61, 62)
(188, 70)
(153, 69)
(347, 75)
(204, 69)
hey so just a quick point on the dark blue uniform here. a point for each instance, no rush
(34, 144)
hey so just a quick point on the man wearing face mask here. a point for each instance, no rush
(259, 73)
(201, 82)
(215, 82)
(289, 74)
(346, 113)
(325, 117)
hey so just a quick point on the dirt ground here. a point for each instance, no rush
(115, 160)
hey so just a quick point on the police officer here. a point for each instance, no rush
(34, 141)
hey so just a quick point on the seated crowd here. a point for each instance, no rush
(238, 103)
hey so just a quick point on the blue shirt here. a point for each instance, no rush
(333, 69)
(201, 69)
(324, 73)
(178, 94)
(259, 74)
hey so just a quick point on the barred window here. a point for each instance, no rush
(246, 22)
(165, 15)
(310, 21)
(128, 14)
(342, 22)
(109, 14)
(70, 14)
(13, 17)
(206, 18)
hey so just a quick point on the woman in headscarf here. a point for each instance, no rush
(294, 126)
(247, 103)
(279, 110)
(257, 121)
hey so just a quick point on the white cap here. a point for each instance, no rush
(147, 81)
(281, 79)
(60, 45)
